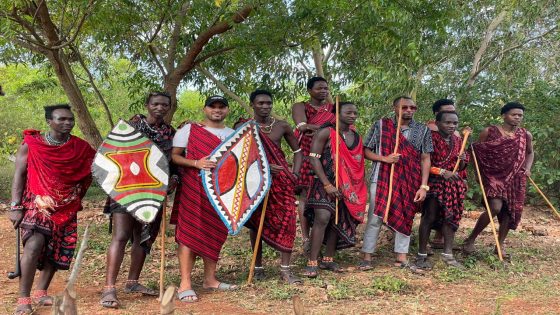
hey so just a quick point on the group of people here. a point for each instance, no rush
(325, 185)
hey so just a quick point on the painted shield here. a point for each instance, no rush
(241, 179)
(133, 171)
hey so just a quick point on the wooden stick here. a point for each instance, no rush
(337, 124)
(544, 197)
(395, 151)
(487, 207)
(466, 134)
(258, 240)
(162, 260)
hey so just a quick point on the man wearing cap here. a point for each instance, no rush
(199, 231)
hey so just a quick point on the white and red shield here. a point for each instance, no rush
(241, 179)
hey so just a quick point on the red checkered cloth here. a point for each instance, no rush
(449, 194)
(406, 181)
(502, 160)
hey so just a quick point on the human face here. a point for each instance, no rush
(62, 121)
(408, 108)
(513, 117)
(319, 91)
(446, 108)
(448, 124)
(216, 112)
(348, 114)
(262, 105)
(158, 106)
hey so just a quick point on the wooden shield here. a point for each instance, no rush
(241, 179)
(133, 171)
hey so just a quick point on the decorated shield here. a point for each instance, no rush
(241, 178)
(133, 171)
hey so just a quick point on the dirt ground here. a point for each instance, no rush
(528, 284)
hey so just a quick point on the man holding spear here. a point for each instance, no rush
(400, 149)
(505, 156)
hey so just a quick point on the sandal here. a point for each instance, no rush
(132, 286)
(365, 265)
(451, 261)
(423, 263)
(24, 306)
(187, 296)
(222, 286)
(407, 265)
(327, 263)
(311, 270)
(287, 276)
(109, 297)
(259, 274)
(41, 298)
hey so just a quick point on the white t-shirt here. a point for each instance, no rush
(181, 138)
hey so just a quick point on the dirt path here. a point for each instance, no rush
(530, 284)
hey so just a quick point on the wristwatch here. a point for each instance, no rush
(13, 204)
(425, 187)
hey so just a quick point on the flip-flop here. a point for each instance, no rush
(407, 265)
(222, 286)
(45, 300)
(365, 265)
(109, 299)
(288, 277)
(331, 266)
(187, 296)
(259, 274)
(138, 288)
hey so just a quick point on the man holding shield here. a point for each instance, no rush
(199, 230)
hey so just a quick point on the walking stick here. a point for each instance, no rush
(162, 261)
(466, 134)
(17, 273)
(544, 197)
(395, 151)
(337, 116)
(258, 240)
(487, 206)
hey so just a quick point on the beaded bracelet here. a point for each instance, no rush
(296, 151)
(315, 155)
(303, 123)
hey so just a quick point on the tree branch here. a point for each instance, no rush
(484, 46)
(172, 49)
(211, 54)
(153, 53)
(79, 27)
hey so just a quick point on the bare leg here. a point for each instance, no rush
(31, 251)
(122, 231)
(322, 219)
(302, 219)
(332, 239)
(186, 263)
(428, 218)
(503, 231)
(448, 238)
(253, 235)
(137, 253)
(483, 221)
(46, 276)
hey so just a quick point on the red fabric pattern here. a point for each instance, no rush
(315, 117)
(502, 161)
(406, 181)
(198, 225)
(449, 194)
(351, 170)
(279, 229)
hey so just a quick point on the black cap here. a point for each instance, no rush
(215, 99)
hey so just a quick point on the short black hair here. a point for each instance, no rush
(51, 108)
(342, 104)
(154, 94)
(258, 92)
(311, 82)
(511, 105)
(440, 115)
(441, 102)
(402, 97)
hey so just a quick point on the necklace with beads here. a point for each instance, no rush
(268, 128)
(321, 108)
(52, 141)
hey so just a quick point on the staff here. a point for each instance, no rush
(545, 199)
(336, 160)
(487, 206)
(258, 240)
(162, 262)
(395, 151)
(466, 134)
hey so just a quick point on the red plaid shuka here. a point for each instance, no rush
(315, 117)
(279, 229)
(198, 225)
(502, 160)
(406, 181)
(64, 174)
(449, 194)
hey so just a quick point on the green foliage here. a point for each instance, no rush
(388, 284)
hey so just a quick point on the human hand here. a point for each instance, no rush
(205, 164)
(15, 216)
(448, 175)
(173, 182)
(275, 169)
(420, 195)
(463, 156)
(332, 191)
(391, 158)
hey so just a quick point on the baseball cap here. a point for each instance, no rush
(215, 99)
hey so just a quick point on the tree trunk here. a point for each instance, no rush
(66, 77)
(318, 59)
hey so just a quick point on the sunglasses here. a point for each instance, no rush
(413, 108)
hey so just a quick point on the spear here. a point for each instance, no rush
(487, 206)
(466, 134)
(337, 116)
(395, 151)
